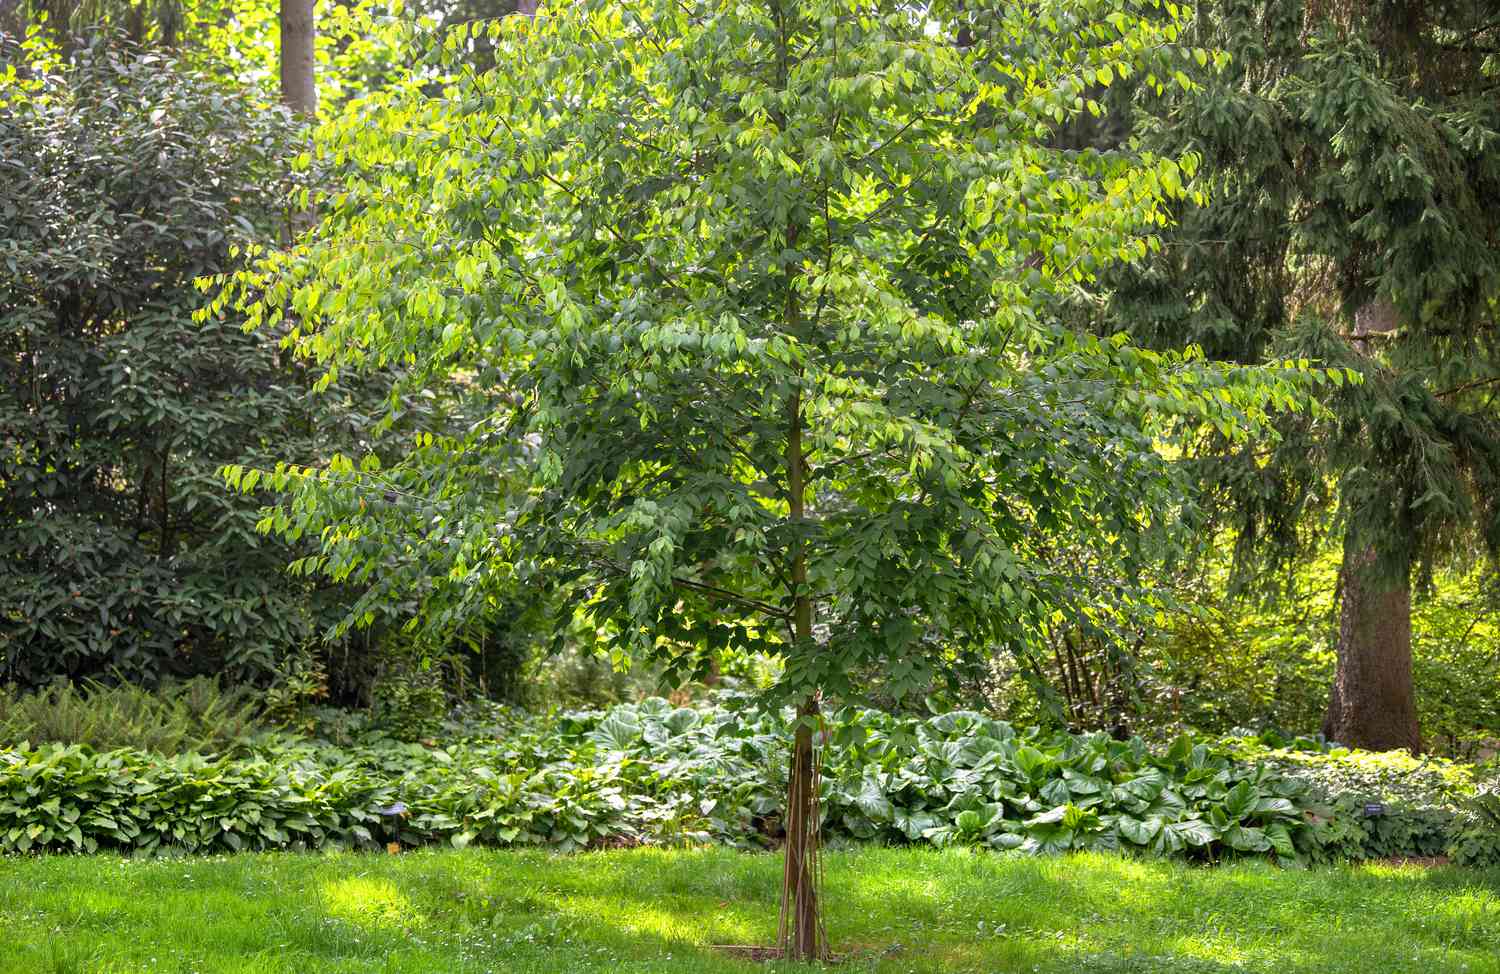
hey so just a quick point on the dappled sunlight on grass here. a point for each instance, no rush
(663, 922)
(1102, 868)
(1222, 949)
(886, 887)
(1393, 871)
(369, 902)
(891, 911)
(973, 956)
(1118, 891)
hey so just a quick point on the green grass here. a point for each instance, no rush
(896, 911)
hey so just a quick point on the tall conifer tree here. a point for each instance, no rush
(1352, 153)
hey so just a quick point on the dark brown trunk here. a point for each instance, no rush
(298, 89)
(10, 23)
(1372, 704)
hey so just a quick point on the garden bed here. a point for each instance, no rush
(654, 774)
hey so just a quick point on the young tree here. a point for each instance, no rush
(1349, 152)
(759, 294)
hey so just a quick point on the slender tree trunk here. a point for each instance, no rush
(298, 88)
(1372, 703)
(800, 931)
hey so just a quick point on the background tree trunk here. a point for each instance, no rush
(298, 88)
(1372, 703)
(11, 23)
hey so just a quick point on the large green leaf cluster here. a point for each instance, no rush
(655, 773)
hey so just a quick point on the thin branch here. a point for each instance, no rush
(1465, 387)
(823, 468)
(731, 596)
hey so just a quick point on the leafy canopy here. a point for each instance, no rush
(761, 296)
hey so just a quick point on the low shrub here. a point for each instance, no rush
(1386, 805)
(195, 715)
(654, 773)
(1474, 839)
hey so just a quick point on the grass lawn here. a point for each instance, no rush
(894, 911)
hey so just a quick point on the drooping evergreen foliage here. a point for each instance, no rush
(1350, 152)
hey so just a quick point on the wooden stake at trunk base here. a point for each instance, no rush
(800, 934)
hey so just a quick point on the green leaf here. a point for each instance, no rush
(1192, 832)
(1240, 801)
(1247, 839)
(1139, 831)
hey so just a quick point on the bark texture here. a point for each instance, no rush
(298, 87)
(1372, 704)
(11, 24)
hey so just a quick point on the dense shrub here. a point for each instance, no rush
(1475, 835)
(122, 179)
(125, 176)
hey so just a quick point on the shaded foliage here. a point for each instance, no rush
(196, 715)
(124, 180)
(124, 176)
(1350, 158)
